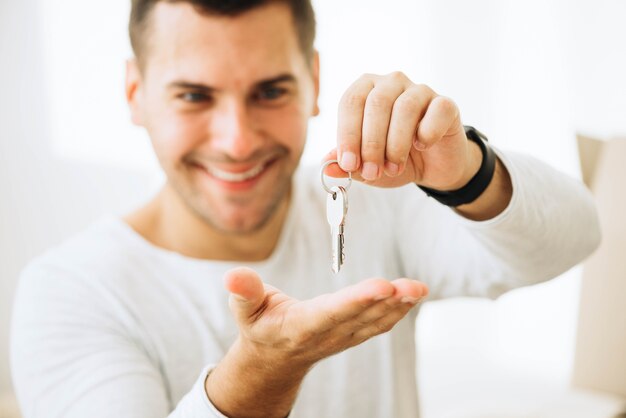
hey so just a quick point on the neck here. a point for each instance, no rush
(167, 222)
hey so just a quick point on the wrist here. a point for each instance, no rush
(477, 185)
(474, 161)
(493, 201)
(250, 383)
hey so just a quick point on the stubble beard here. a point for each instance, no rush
(206, 209)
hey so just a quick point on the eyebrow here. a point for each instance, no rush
(275, 80)
(282, 78)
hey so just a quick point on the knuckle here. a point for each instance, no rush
(361, 322)
(395, 150)
(446, 105)
(359, 339)
(352, 100)
(428, 135)
(423, 89)
(379, 101)
(397, 75)
(373, 144)
(383, 326)
(410, 102)
(350, 137)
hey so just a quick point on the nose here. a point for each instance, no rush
(233, 132)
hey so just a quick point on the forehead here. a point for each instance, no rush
(183, 42)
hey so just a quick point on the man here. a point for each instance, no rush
(131, 318)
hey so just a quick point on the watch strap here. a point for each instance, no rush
(477, 185)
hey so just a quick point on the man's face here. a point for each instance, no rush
(226, 102)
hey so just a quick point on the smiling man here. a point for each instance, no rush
(216, 298)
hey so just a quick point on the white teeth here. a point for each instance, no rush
(236, 177)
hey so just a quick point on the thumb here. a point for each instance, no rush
(247, 292)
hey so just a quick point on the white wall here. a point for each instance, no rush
(44, 195)
(529, 74)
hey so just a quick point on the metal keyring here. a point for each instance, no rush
(326, 164)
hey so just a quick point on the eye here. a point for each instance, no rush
(194, 97)
(271, 94)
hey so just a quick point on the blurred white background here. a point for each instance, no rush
(527, 73)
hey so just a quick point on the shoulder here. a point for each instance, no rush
(99, 253)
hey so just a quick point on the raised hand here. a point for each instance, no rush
(392, 131)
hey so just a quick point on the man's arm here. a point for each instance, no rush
(72, 355)
(245, 384)
(496, 196)
(536, 222)
(549, 225)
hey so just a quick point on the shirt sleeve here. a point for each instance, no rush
(72, 357)
(197, 402)
(550, 225)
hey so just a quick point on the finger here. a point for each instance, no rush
(330, 155)
(441, 115)
(409, 290)
(406, 291)
(344, 332)
(247, 293)
(350, 122)
(333, 170)
(382, 325)
(408, 109)
(373, 313)
(377, 115)
(328, 311)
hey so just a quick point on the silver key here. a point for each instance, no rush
(336, 210)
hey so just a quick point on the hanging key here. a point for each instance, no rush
(336, 210)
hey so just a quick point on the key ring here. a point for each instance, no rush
(326, 164)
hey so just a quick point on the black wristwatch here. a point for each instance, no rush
(477, 185)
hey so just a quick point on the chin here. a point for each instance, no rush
(239, 224)
(235, 216)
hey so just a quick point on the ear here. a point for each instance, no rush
(316, 81)
(134, 96)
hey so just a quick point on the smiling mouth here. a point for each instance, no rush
(237, 177)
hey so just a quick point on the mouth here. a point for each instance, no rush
(236, 177)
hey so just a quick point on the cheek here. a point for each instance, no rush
(174, 135)
(288, 127)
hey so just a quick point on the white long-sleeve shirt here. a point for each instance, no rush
(108, 325)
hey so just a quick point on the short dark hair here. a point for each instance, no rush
(301, 10)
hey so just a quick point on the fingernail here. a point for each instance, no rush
(409, 299)
(370, 171)
(239, 297)
(391, 169)
(380, 297)
(348, 161)
(419, 145)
